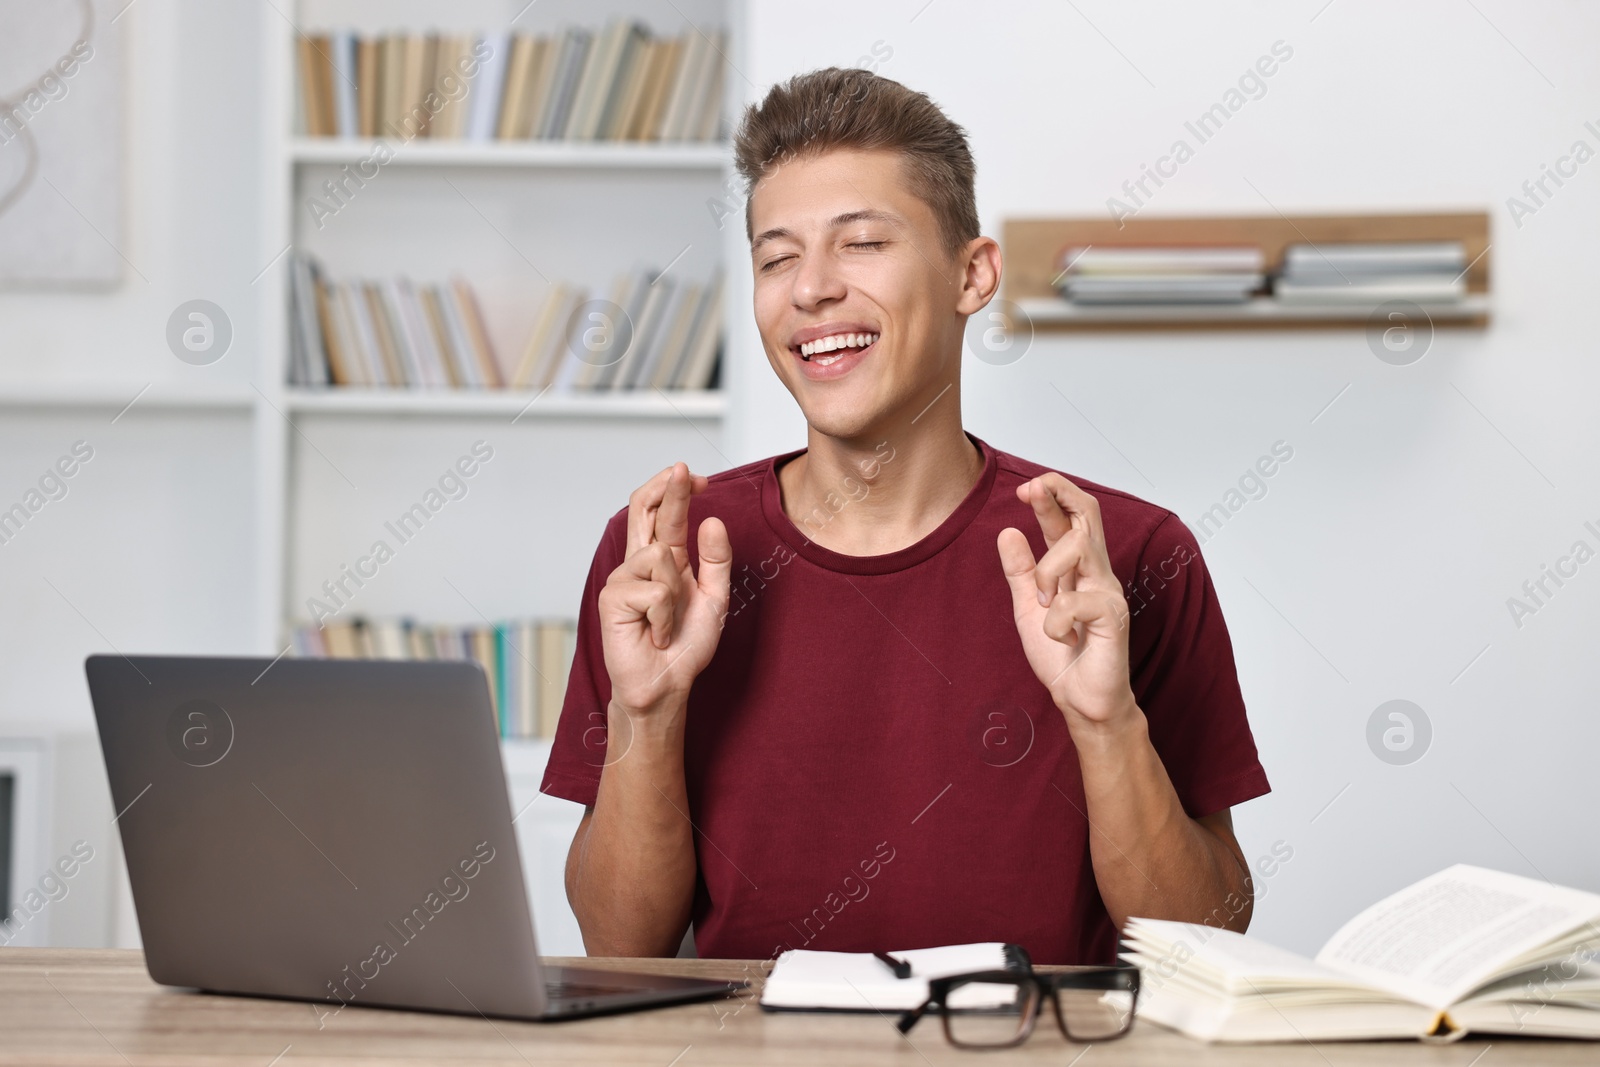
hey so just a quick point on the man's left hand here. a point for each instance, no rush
(1069, 607)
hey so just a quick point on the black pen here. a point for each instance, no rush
(901, 968)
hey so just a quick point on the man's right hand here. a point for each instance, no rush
(659, 623)
(631, 869)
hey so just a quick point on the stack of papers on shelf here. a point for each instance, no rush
(1419, 271)
(805, 980)
(1464, 950)
(1170, 275)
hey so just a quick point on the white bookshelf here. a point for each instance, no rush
(519, 206)
(533, 154)
(544, 828)
(117, 395)
(520, 543)
(517, 403)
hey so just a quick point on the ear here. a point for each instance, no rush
(980, 267)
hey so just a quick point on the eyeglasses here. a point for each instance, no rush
(997, 1009)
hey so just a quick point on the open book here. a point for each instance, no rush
(808, 980)
(1466, 949)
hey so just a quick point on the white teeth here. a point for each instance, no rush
(828, 361)
(837, 341)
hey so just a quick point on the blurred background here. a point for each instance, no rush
(270, 268)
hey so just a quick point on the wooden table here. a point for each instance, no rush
(82, 1006)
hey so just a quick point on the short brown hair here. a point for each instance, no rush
(854, 108)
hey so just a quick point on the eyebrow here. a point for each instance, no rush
(863, 215)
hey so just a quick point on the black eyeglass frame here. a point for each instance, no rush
(1117, 978)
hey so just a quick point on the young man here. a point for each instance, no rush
(899, 689)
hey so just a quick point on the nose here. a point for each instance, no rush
(817, 282)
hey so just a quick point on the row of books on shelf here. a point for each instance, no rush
(650, 331)
(618, 83)
(1310, 274)
(527, 661)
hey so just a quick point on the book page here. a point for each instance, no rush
(1230, 962)
(1438, 940)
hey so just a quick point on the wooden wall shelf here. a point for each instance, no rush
(1033, 248)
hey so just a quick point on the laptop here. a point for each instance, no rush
(335, 831)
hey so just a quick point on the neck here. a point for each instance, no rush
(884, 490)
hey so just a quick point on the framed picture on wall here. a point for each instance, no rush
(61, 122)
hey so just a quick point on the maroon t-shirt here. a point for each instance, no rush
(871, 762)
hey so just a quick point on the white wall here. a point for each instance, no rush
(151, 549)
(1412, 507)
(151, 543)
(1391, 541)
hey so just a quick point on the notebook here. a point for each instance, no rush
(807, 980)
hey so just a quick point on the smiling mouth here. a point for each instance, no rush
(826, 351)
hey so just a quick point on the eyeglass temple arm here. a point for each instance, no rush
(912, 1017)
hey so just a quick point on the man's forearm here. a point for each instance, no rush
(1150, 859)
(631, 874)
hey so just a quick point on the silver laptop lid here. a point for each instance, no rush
(334, 831)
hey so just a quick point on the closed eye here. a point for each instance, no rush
(771, 263)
